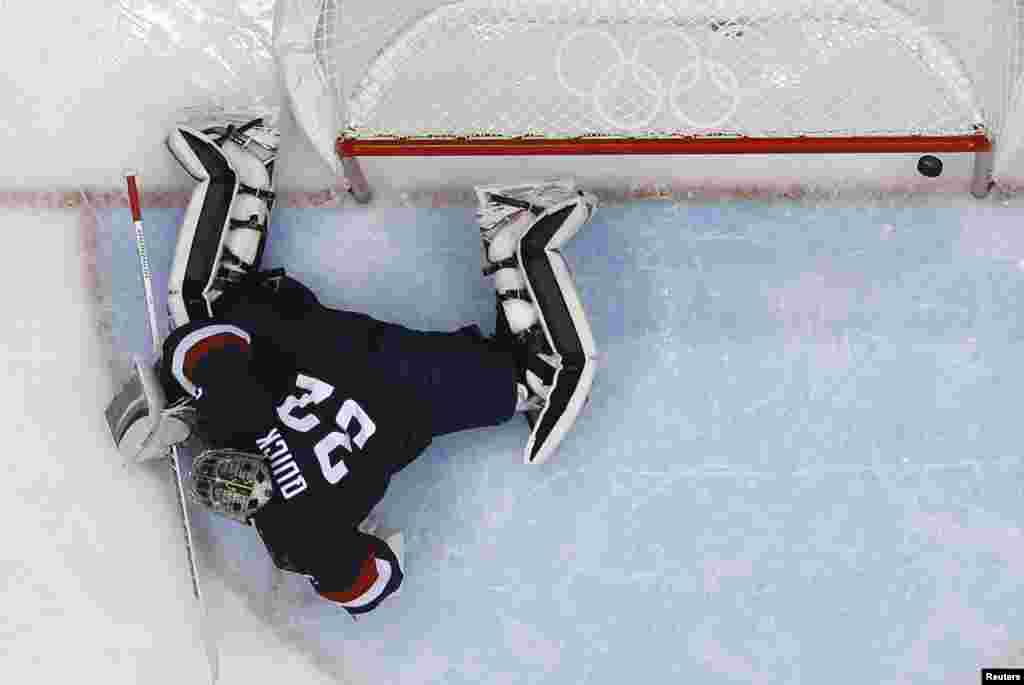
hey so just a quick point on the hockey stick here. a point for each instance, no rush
(140, 247)
(209, 645)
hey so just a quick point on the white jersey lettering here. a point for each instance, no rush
(286, 472)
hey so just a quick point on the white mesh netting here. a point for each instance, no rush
(656, 68)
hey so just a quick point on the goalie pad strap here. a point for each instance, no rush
(515, 295)
(266, 195)
(226, 280)
(543, 371)
(509, 263)
(250, 223)
(231, 258)
(515, 202)
(234, 133)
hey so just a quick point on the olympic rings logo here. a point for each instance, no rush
(648, 85)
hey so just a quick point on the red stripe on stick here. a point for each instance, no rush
(133, 199)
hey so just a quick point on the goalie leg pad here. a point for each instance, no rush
(523, 227)
(564, 322)
(224, 231)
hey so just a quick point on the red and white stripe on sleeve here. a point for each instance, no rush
(374, 578)
(198, 344)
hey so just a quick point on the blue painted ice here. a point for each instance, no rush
(801, 460)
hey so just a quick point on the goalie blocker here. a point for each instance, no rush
(523, 228)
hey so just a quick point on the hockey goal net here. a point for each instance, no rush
(505, 77)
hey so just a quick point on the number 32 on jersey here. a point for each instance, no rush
(317, 391)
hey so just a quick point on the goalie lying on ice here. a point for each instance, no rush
(308, 411)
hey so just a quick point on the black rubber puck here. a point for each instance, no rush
(930, 166)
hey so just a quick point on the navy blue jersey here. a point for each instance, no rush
(337, 402)
(333, 426)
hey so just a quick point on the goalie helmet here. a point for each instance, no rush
(231, 483)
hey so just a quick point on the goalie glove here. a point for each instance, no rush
(140, 421)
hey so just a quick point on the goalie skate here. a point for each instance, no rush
(224, 231)
(523, 227)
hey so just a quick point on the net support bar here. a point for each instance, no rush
(984, 166)
(358, 185)
(350, 149)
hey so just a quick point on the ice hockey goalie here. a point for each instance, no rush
(305, 412)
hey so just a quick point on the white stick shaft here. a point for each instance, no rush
(140, 247)
(147, 283)
(207, 638)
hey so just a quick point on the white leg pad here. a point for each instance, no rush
(565, 325)
(523, 226)
(225, 226)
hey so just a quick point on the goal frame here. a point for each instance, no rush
(336, 84)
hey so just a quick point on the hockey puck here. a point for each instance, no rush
(930, 166)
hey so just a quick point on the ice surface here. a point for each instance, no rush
(801, 451)
(87, 576)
